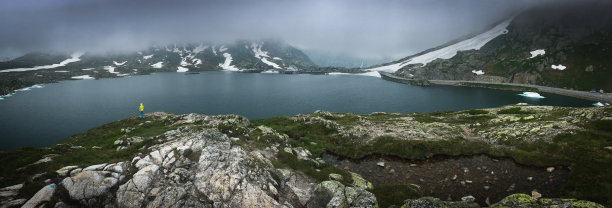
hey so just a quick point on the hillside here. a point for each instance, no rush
(37, 68)
(230, 161)
(565, 46)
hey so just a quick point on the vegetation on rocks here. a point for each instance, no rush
(163, 155)
(531, 135)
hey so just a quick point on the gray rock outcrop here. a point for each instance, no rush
(43, 195)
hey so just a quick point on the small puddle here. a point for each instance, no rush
(450, 178)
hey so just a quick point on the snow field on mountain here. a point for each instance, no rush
(474, 43)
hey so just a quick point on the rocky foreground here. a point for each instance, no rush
(227, 161)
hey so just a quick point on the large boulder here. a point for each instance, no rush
(89, 184)
(42, 196)
(133, 192)
(225, 177)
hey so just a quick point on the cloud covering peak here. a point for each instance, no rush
(361, 28)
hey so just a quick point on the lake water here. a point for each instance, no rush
(43, 116)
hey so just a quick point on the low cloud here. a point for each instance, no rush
(359, 28)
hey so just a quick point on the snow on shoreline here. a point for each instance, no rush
(74, 58)
(531, 95)
(182, 69)
(36, 86)
(227, 65)
(537, 53)
(474, 43)
(82, 77)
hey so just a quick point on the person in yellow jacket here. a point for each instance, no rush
(141, 110)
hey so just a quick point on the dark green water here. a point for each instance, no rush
(40, 117)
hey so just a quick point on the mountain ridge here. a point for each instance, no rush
(573, 36)
(242, 55)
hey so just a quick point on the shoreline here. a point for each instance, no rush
(605, 97)
(599, 97)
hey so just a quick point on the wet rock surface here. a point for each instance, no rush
(452, 178)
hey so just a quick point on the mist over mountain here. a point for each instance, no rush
(324, 59)
(364, 29)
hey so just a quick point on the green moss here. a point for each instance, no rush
(516, 200)
(476, 112)
(320, 172)
(516, 110)
(584, 150)
(360, 182)
(395, 194)
(586, 204)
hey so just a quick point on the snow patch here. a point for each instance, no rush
(182, 69)
(82, 77)
(258, 52)
(62, 71)
(184, 62)
(147, 57)
(214, 50)
(558, 67)
(119, 63)
(199, 49)
(197, 61)
(277, 58)
(531, 95)
(270, 63)
(222, 49)
(479, 72)
(269, 72)
(227, 65)
(474, 43)
(262, 55)
(74, 58)
(157, 65)
(537, 52)
(88, 69)
(110, 69)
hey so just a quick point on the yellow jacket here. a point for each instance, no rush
(141, 107)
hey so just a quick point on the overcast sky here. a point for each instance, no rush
(363, 28)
